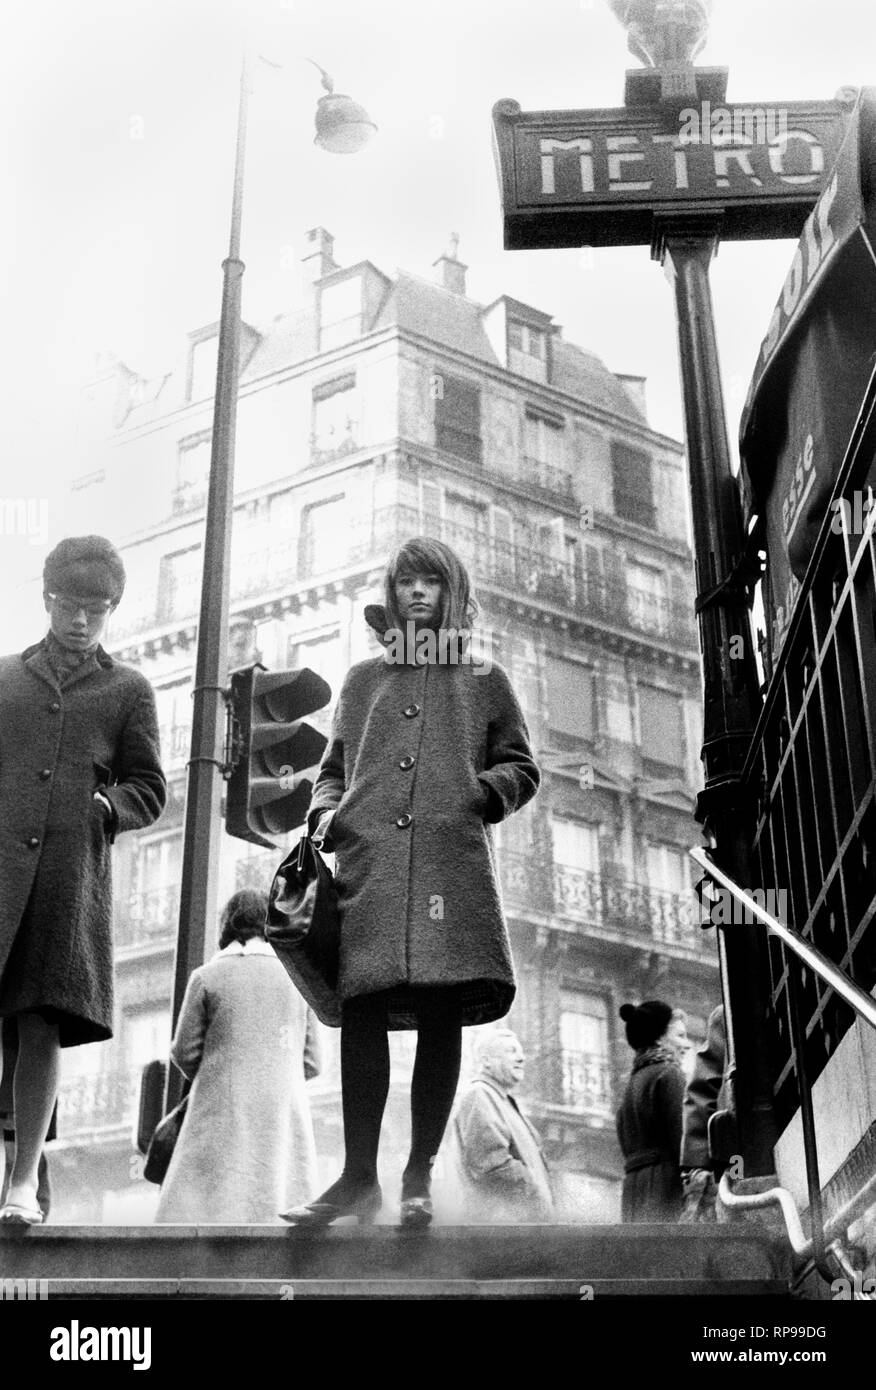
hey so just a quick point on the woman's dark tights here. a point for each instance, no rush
(365, 1085)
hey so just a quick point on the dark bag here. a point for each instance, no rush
(303, 926)
(163, 1142)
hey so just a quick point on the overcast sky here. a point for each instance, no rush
(119, 138)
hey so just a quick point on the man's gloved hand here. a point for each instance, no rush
(700, 1196)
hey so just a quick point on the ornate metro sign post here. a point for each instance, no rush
(677, 169)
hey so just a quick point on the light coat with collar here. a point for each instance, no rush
(58, 745)
(496, 1171)
(420, 759)
(246, 1150)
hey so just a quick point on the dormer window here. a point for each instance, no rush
(202, 367)
(527, 350)
(340, 313)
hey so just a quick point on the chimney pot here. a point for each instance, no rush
(450, 271)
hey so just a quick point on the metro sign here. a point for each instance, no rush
(601, 178)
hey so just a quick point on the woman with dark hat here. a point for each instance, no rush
(79, 765)
(649, 1118)
(425, 755)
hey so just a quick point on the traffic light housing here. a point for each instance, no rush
(275, 752)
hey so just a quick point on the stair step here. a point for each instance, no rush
(444, 1262)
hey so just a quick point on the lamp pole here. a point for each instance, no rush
(341, 127)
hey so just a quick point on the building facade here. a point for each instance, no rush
(382, 408)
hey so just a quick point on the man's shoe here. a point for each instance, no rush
(341, 1199)
(415, 1212)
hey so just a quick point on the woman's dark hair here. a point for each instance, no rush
(646, 1023)
(243, 917)
(423, 555)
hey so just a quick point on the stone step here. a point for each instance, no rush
(381, 1262)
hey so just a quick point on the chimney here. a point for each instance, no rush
(318, 260)
(450, 271)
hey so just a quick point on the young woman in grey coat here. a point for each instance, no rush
(428, 749)
(79, 764)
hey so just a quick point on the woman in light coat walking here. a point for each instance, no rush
(429, 747)
(248, 1042)
(79, 765)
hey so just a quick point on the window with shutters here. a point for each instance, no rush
(458, 418)
(647, 603)
(322, 532)
(502, 568)
(466, 530)
(431, 509)
(584, 1044)
(335, 417)
(570, 702)
(192, 472)
(576, 845)
(661, 728)
(633, 484)
(179, 584)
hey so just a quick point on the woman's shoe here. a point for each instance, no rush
(340, 1200)
(13, 1214)
(415, 1212)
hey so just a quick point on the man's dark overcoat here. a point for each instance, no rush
(419, 759)
(57, 747)
(649, 1132)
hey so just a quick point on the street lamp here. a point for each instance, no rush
(342, 127)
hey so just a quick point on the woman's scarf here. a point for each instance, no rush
(657, 1052)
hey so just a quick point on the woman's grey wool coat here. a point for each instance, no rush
(58, 745)
(420, 759)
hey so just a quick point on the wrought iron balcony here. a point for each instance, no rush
(617, 906)
(579, 1081)
(148, 916)
(175, 745)
(369, 538)
(90, 1104)
(546, 477)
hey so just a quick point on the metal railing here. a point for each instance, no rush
(106, 1100)
(613, 904)
(504, 565)
(147, 916)
(815, 1247)
(579, 1081)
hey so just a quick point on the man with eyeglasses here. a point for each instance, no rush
(79, 765)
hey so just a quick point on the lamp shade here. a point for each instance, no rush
(342, 125)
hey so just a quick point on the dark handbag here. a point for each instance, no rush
(163, 1142)
(304, 928)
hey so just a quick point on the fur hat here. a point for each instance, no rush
(646, 1023)
(86, 566)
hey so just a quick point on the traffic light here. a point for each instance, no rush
(274, 751)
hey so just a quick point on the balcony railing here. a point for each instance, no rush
(88, 1104)
(547, 477)
(149, 916)
(370, 537)
(580, 1081)
(630, 909)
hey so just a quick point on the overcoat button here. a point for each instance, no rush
(403, 821)
(33, 842)
(406, 763)
(45, 774)
(411, 711)
(54, 707)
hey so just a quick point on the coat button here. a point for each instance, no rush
(403, 821)
(54, 707)
(33, 842)
(45, 774)
(411, 711)
(406, 763)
